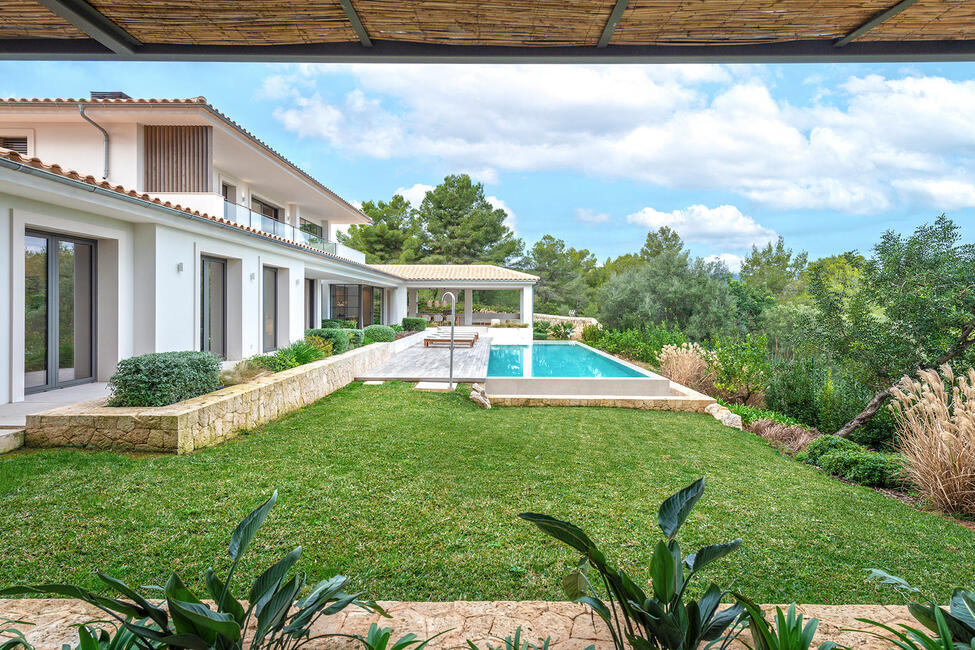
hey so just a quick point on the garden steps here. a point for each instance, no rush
(571, 626)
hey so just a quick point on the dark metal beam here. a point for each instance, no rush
(399, 52)
(356, 23)
(92, 22)
(873, 22)
(614, 20)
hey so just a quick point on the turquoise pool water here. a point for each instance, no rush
(554, 360)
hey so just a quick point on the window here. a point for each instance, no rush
(213, 312)
(311, 228)
(310, 305)
(229, 192)
(345, 301)
(265, 209)
(18, 144)
(269, 324)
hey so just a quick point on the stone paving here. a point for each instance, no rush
(570, 626)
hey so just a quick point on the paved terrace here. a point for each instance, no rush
(14, 415)
(418, 363)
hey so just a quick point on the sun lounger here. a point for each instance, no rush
(441, 339)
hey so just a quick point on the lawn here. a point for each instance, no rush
(415, 496)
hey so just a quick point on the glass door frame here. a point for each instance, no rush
(54, 240)
(204, 261)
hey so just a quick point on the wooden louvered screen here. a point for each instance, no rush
(178, 158)
(15, 144)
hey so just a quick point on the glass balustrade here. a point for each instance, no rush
(246, 217)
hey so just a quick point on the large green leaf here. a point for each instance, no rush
(708, 554)
(268, 582)
(674, 511)
(176, 590)
(148, 610)
(563, 531)
(274, 613)
(246, 529)
(662, 572)
(205, 619)
(223, 598)
(71, 591)
(575, 584)
(962, 608)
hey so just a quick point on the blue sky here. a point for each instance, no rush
(827, 156)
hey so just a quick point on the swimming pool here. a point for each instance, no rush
(555, 360)
(567, 368)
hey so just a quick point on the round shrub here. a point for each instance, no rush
(381, 333)
(331, 323)
(339, 338)
(323, 345)
(414, 324)
(163, 378)
(824, 445)
(865, 467)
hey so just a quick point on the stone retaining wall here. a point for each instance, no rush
(203, 421)
(681, 398)
(570, 626)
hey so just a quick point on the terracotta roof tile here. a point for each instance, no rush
(198, 101)
(53, 168)
(455, 272)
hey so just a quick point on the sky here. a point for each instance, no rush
(827, 156)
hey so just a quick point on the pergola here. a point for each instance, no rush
(489, 30)
(465, 278)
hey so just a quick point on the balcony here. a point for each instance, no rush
(244, 216)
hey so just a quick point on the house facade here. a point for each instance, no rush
(131, 226)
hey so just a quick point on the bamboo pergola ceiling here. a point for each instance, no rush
(489, 30)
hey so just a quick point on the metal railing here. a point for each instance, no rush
(244, 216)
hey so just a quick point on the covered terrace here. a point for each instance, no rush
(462, 280)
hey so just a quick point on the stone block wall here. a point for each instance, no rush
(203, 421)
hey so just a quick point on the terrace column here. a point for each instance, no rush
(468, 307)
(414, 298)
(527, 304)
(398, 307)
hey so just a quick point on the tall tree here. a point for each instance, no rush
(563, 272)
(774, 268)
(457, 225)
(912, 307)
(382, 241)
(661, 240)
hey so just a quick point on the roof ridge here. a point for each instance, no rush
(53, 168)
(201, 101)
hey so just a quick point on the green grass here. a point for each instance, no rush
(415, 497)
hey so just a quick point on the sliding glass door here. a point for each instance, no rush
(213, 293)
(269, 322)
(59, 313)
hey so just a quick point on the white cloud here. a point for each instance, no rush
(588, 216)
(945, 194)
(511, 220)
(724, 225)
(681, 127)
(730, 260)
(486, 175)
(414, 194)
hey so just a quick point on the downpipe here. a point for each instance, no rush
(81, 110)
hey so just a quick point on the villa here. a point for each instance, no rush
(132, 226)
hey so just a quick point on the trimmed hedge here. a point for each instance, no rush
(853, 462)
(339, 338)
(381, 333)
(163, 378)
(356, 337)
(414, 324)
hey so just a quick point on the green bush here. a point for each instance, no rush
(274, 362)
(824, 445)
(740, 366)
(163, 378)
(323, 345)
(380, 333)
(339, 338)
(414, 324)
(563, 331)
(591, 334)
(641, 344)
(539, 336)
(349, 324)
(871, 468)
(792, 389)
(356, 338)
(397, 328)
(331, 323)
(750, 414)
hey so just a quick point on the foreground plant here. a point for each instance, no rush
(517, 643)
(380, 638)
(953, 629)
(283, 621)
(663, 619)
(790, 633)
